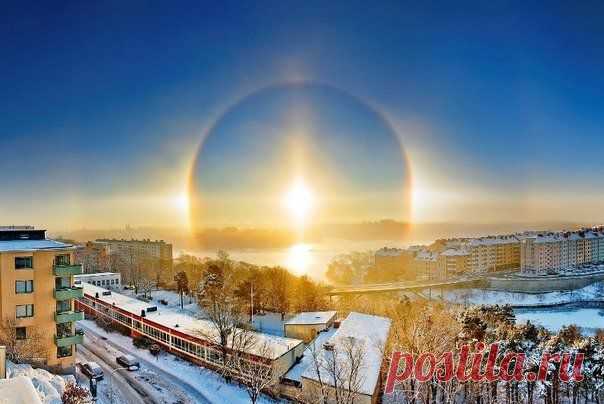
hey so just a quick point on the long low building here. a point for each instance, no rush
(192, 338)
(109, 280)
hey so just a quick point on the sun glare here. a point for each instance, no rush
(299, 201)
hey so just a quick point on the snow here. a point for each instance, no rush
(480, 296)
(312, 317)
(587, 319)
(31, 245)
(370, 333)
(173, 299)
(210, 384)
(18, 390)
(188, 324)
(390, 252)
(49, 387)
(269, 323)
(295, 373)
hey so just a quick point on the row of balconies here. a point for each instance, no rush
(68, 293)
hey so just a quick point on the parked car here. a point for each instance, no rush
(92, 370)
(129, 362)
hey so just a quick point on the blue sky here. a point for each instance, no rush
(498, 105)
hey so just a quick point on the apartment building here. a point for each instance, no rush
(397, 261)
(561, 250)
(453, 262)
(152, 256)
(497, 253)
(37, 292)
(93, 256)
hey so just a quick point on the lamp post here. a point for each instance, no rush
(111, 374)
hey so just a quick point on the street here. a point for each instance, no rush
(149, 384)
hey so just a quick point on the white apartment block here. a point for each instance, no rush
(561, 250)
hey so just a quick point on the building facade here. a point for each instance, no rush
(152, 257)
(37, 291)
(109, 280)
(554, 251)
(93, 257)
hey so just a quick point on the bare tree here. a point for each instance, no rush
(224, 312)
(338, 370)
(20, 348)
(249, 361)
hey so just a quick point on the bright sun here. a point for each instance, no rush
(299, 201)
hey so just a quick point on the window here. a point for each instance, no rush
(21, 333)
(62, 259)
(24, 286)
(63, 352)
(24, 262)
(63, 306)
(25, 310)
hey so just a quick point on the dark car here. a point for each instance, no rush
(92, 370)
(129, 362)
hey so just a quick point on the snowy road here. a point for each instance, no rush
(157, 384)
(123, 391)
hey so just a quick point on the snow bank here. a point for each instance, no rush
(18, 390)
(49, 387)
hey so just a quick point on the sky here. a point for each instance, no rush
(496, 108)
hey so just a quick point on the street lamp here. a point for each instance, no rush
(111, 381)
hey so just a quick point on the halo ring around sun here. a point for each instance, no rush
(268, 142)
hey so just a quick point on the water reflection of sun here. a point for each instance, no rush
(299, 259)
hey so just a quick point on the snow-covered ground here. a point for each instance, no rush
(481, 296)
(553, 319)
(206, 382)
(49, 387)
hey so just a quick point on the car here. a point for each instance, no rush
(129, 362)
(92, 370)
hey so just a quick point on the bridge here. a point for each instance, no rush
(408, 286)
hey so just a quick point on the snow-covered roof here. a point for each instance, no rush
(369, 334)
(389, 252)
(18, 390)
(312, 317)
(97, 274)
(32, 245)
(455, 252)
(484, 241)
(186, 324)
(426, 255)
(295, 373)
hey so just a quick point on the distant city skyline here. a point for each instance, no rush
(497, 108)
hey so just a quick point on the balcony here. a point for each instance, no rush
(68, 317)
(68, 270)
(69, 293)
(69, 340)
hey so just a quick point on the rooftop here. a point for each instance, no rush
(186, 324)
(32, 245)
(369, 333)
(96, 274)
(312, 317)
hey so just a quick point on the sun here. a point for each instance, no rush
(299, 201)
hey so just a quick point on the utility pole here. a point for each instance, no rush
(252, 302)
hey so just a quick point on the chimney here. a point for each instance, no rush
(2, 362)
